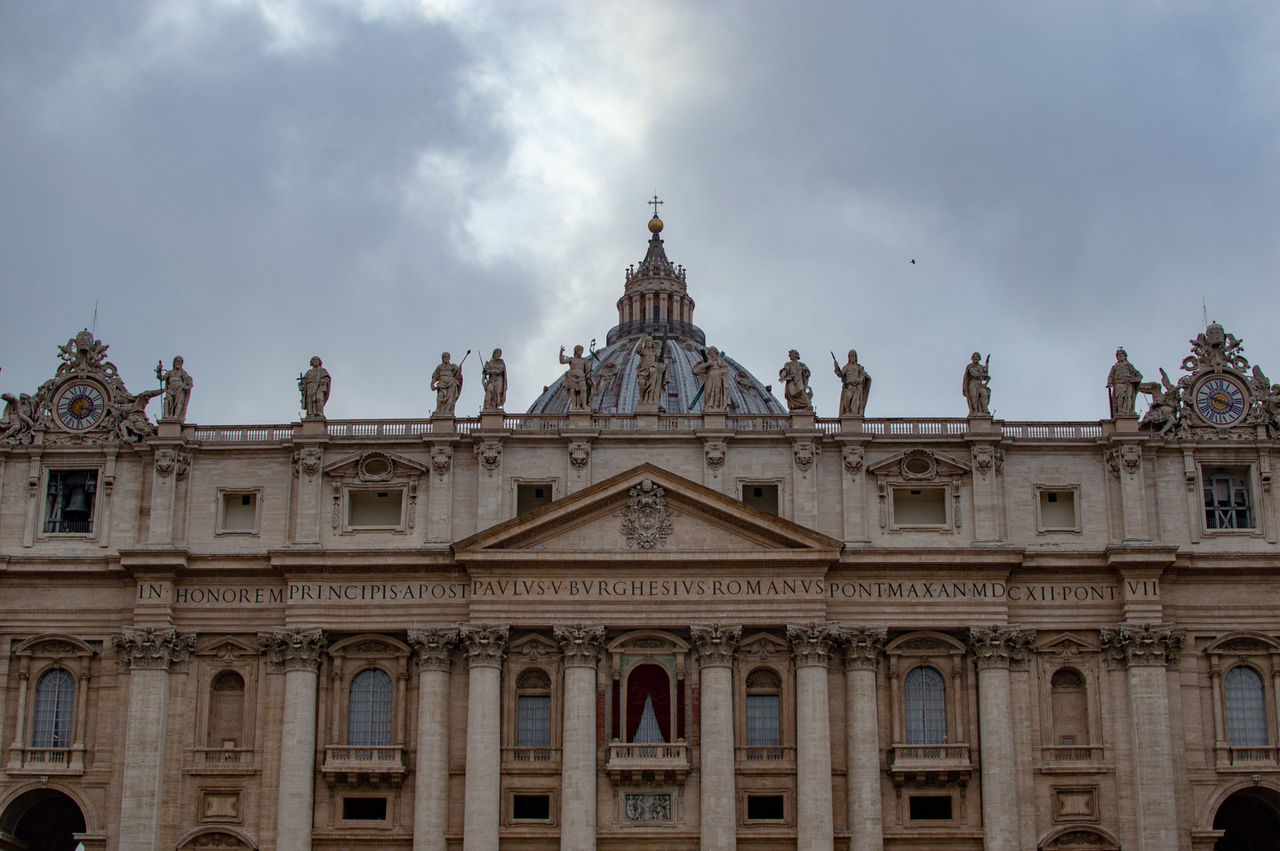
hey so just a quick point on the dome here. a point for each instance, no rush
(655, 302)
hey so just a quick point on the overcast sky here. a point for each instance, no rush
(250, 183)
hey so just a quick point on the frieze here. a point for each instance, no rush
(292, 649)
(484, 645)
(716, 643)
(579, 643)
(641, 808)
(152, 648)
(812, 642)
(433, 646)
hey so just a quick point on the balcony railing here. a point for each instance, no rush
(370, 763)
(1253, 757)
(1072, 753)
(47, 761)
(527, 758)
(657, 762)
(761, 755)
(930, 763)
(221, 761)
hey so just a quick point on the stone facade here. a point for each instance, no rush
(639, 629)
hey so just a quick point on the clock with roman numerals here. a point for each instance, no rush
(1221, 400)
(80, 405)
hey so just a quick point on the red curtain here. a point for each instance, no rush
(648, 681)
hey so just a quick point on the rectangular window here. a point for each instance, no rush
(70, 500)
(531, 497)
(1057, 510)
(761, 497)
(919, 506)
(765, 808)
(530, 807)
(364, 809)
(533, 724)
(375, 509)
(929, 807)
(1228, 498)
(762, 720)
(239, 512)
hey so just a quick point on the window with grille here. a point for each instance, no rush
(925, 704)
(764, 703)
(55, 697)
(534, 721)
(369, 709)
(1228, 498)
(1246, 708)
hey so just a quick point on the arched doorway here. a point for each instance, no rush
(1251, 819)
(41, 820)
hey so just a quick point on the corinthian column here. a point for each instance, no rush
(716, 644)
(431, 777)
(296, 652)
(863, 646)
(147, 654)
(810, 644)
(581, 647)
(995, 647)
(484, 646)
(1146, 651)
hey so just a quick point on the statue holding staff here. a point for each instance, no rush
(855, 385)
(494, 379)
(177, 384)
(314, 387)
(976, 387)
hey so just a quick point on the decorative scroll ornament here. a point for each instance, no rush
(433, 647)
(987, 458)
(490, 454)
(918, 465)
(1216, 349)
(1127, 458)
(309, 460)
(803, 451)
(579, 454)
(715, 452)
(152, 648)
(853, 458)
(580, 644)
(1142, 644)
(863, 646)
(183, 465)
(484, 645)
(441, 458)
(811, 642)
(716, 642)
(998, 646)
(375, 467)
(165, 461)
(646, 518)
(292, 649)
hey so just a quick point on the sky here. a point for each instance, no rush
(251, 182)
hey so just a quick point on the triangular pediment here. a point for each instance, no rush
(1067, 644)
(919, 465)
(375, 466)
(647, 512)
(226, 648)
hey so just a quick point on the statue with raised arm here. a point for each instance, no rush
(794, 376)
(18, 419)
(494, 378)
(1162, 416)
(651, 373)
(133, 425)
(577, 379)
(715, 387)
(976, 387)
(314, 387)
(1122, 385)
(177, 384)
(855, 385)
(447, 382)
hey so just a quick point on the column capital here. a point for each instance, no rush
(1145, 645)
(484, 646)
(812, 642)
(863, 646)
(998, 645)
(716, 642)
(433, 647)
(292, 648)
(580, 643)
(152, 648)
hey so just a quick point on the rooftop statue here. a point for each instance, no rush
(1122, 385)
(446, 381)
(132, 425)
(976, 387)
(1166, 405)
(855, 385)
(494, 379)
(177, 384)
(577, 379)
(19, 418)
(651, 373)
(795, 377)
(715, 386)
(314, 387)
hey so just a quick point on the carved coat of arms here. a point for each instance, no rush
(646, 519)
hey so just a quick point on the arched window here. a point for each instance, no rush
(925, 706)
(1246, 708)
(764, 709)
(1070, 705)
(55, 698)
(533, 712)
(369, 709)
(226, 711)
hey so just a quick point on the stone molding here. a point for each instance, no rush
(1142, 645)
(292, 649)
(998, 646)
(717, 643)
(863, 646)
(484, 645)
(433, 647)
(152, 648)
(580, 643)
(811, 643)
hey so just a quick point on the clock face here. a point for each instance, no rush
(1220, 400)
(80, 406)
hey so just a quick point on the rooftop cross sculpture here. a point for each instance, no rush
(655, 202)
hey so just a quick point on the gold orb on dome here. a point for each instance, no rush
(655, 224)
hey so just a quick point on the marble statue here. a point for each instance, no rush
(577, 379)
(494, 379)
(976, 387)
(1162, 416)
(133, 425)
(651, 373)
(795, 378)
(314, 387)
(177, 384)
(855, 385)
(715, 387)
(1122, 385)
(18, 419)
(1271, 409)
(447, 382)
